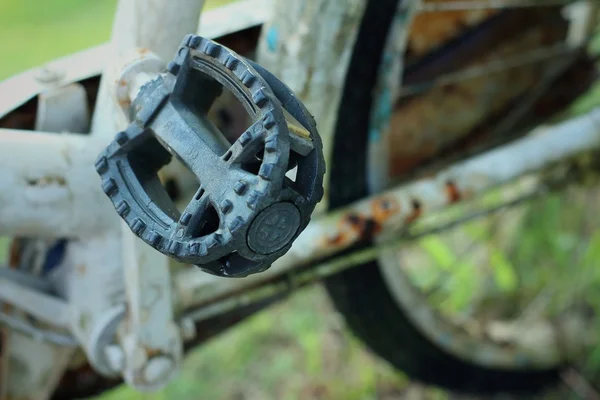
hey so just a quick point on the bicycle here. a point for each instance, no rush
(68, 307)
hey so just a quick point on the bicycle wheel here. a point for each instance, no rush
(376, 298)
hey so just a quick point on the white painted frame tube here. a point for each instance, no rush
(61, 195)
(48, 185)
(155, 25)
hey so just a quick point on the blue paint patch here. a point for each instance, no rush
(272, 38)
(374, 135)
(384, 106)
(55, 256)
(381, 115)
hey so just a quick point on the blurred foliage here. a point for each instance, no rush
(37, 31)
(299, 349)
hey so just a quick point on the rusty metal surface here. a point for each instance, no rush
(431, 30)
(561, 92)
(389, 214)
(424, 125)
(407, 203)
(393, 211)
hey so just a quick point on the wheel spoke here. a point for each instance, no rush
(491, 67)
(468, 5)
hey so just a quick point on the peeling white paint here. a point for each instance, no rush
(48, 185)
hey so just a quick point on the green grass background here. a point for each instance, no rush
(299, 349)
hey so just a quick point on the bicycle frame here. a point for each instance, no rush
(113, 285)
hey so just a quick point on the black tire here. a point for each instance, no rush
(360, 293)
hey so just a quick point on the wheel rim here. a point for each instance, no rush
(500, 344)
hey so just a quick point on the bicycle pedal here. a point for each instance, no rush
(246, 212)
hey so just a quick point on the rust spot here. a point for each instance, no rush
(452, 192)
(122, 82)
(14, 254)
(125, 103)
(351, 223)
(416, 211)
(384, 208)
(401, 163)
(81, 269)
(336, 240)
(143, 50)
(430, 30)
(152, 352)
(47, 180)
(7, 308)
(354, 228)
(354, 220)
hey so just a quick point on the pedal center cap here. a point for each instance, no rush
(274, 228)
